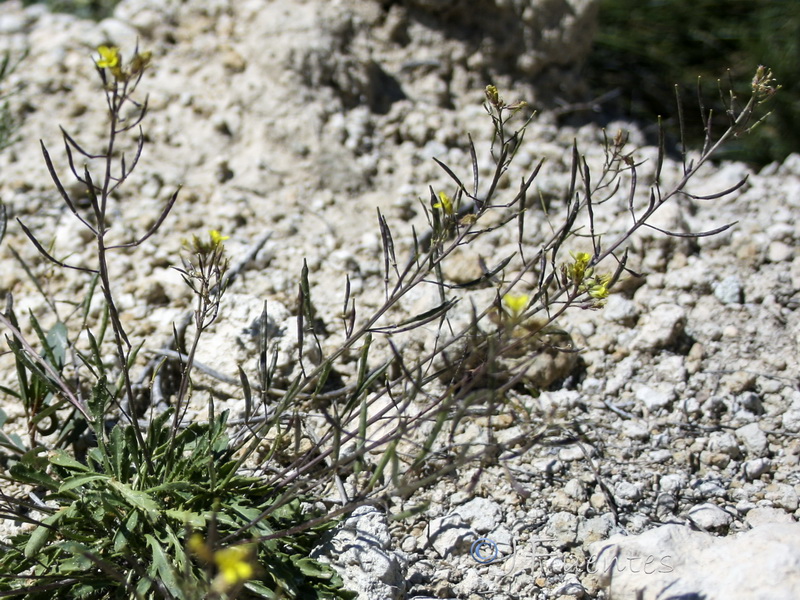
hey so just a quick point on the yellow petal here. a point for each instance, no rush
(199, 548)
(235, 564)
(109, 57)
(217, 238)
(516, 303)
(445, 204)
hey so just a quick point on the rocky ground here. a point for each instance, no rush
(671, 443)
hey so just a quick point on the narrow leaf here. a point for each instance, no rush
(140, 500)
(62, 459)
(3, 221)
(41, 534)
(79, 480)
(163, 567)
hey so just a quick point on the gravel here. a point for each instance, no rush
(302, 119)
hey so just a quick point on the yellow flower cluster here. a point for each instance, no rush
(577, 270)
(582, 275)
(598, 288)
(493, 97)
(200, 246)
(110, 59)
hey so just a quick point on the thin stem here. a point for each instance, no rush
(121, 342)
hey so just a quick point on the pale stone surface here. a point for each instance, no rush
(761, 564)
(482, 514)
(660, 328)
(753, 438)
(710, 517)
(361, 551)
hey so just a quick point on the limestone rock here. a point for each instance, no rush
(710, 517)
(450, 535)
(677, 562)
(481, 513)
(661, 328)
(360, 550)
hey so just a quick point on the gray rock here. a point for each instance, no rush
(554, 565)
(751, 402)
(738, 382)
(753, 439)
(360, 551)
(545, 33)
(559, 401)
(779, 252)
(666, 505)
(673, 483)
(503, 538)
(571, 453)
(791, 418)
(626, 492)
(661, 328)
(570, 588)
(575, 488)
(450, 535)
(12, 23)
(473, 584)
(548, 466)
(782, 495)
(791, 165)
(654, 399)
(560, 500)
(725, 443)
(695, 277)
(755, 468)
(481, 514)
(119, 33)
(595, 529)
(562, 528)
(660, 456)
(619, 309)
(710, 517)
(637, 523)
(673, 561)
(636, 430)
(622, 375)
(709, 489)
(671, 368)
(729, 290)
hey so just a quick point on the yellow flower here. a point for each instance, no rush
(577, 271)
(199, 548)
(217, 238)
(599, 287)
(235, 564)
(140, 62)
(109, 57)
(493, 96)
(516, 303)
(445, 204)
